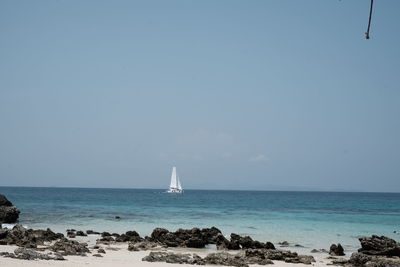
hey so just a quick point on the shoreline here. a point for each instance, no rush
(117, 254)
(185, 247)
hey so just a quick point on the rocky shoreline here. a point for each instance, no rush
(375, 251)
(33, 244)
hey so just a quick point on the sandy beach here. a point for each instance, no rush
(118, 255)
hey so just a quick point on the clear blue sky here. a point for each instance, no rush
(236, 94)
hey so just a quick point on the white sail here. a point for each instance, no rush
(173, 179)
(179, 184)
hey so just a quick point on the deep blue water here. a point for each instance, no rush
(313, 219)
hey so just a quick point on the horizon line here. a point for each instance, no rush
(203, 189)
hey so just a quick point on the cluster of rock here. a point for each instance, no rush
(66, 247)
(143, 245)
(8, 212)
(376, 251)
(72, 233)
(191, 238)
(336, 250)
(199, 238)
(28, 238)
(28, 254)
(241, 259)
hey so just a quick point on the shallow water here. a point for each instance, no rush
(312, 219)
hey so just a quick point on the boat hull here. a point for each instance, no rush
(174, 191)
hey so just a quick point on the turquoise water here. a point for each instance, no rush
(312, 219)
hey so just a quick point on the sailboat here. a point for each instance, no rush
(175, 186)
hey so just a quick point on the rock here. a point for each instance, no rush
(27, 254)
(174, 258)
(210, 234)
(340, 261)
(97, 255)
(336, 250)
(319, 250)
(91, 232)
(305, 259)
(225, 258)
(103, 234)
(199, 238)
(379, 245)
(144, 245)
(8, 212)
(130, 236)
(100, 250)
(106, 239)
(363, 260)
(4, 201)
(118, 218)
(195, 242)
(27, 237)
(246, 242)
(80, 233)
(283, 244)
(243, 258)
(222, 242)
(158, 234)
(71, 234)
(132, 233)
(70, 247)
(258, 255)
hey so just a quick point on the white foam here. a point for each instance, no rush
(8, 225)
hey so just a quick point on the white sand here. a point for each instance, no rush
(118, 255)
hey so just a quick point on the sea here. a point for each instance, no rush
(306, 220)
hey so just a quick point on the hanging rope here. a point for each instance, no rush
(369, 21)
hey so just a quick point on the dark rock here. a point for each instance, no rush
(145, 245)
(100, 250)
(130, 236)
(103, 234)
(379, 245)
(115, 235)
(106, 239)
(8, 212)
(91, 232)
(210, 234)
(283, 244)
(27, 237)
(4, 201)
(339, 261)
(80, 233)
(132, 233)
(226, 259)
(27, 254)
(363, 260)
(336, 250)
(97, 255)
(305, 259)
(118, 218)
(70, 247)
(158, 234)
(222, 242)
(319, 250)
(195, 242)
(174, 258)
(246, 242)
(71, 234)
